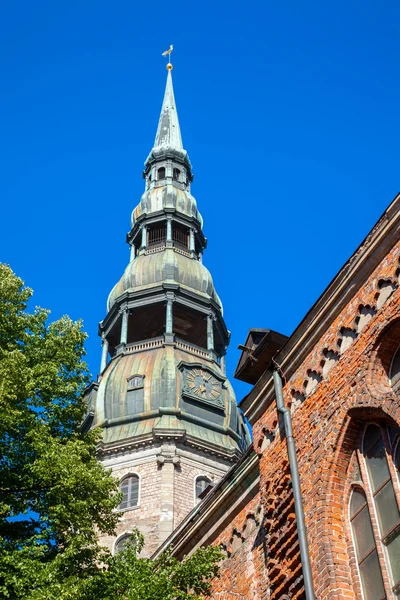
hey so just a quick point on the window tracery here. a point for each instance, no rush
(365, 546)
(375, 495)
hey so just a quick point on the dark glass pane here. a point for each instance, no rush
(386, 507)
(124, 488)
(393, 432)
(357, 500)
(372, 436)
(362, 531)
(134, 491)
(375, 458)
(201, 484)
(371, 578)
(393, 548)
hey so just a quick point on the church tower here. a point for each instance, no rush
(171, 427)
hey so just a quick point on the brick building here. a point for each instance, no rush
(341, 373)
(177, 441)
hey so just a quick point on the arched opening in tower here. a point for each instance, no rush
(180, 236)
(156, 235)
(190, 325)
(146, 322)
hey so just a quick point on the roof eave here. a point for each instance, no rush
(339, 292)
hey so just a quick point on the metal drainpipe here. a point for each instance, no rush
(298, 501)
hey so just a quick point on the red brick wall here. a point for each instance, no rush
(243, 573)
(330, 408)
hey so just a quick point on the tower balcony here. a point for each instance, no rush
(145, 345)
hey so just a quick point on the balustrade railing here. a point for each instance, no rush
(145, 345)
(159, 342)
(191, 348)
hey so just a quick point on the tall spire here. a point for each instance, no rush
(168, 131)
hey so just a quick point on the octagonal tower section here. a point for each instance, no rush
(171, 426)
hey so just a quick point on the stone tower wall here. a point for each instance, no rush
(166, 489)
(191, 466)
(146, 516)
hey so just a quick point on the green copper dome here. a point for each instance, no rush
(162, 375)
(164, 197)
(158, 404)
(148, 270)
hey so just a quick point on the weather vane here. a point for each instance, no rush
(167, 54)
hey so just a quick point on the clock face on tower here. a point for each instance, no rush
(201, 384)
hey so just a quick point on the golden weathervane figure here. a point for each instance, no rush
(167, 54)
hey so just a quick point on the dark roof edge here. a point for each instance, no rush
(339, 292)
(183, 533)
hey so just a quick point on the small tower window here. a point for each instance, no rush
(130, 489)
(135, 382)
(135, 395)
(176, 174)
(202, 483)
(161, 173)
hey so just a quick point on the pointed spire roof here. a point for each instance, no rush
(168, 131)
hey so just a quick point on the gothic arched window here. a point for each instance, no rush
(130, 489)
(377, 498)
(365, 546)
(202, 483)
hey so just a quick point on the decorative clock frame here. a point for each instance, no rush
(202, 384)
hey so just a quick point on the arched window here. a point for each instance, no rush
(130, 489)
(384, 506)
(122, 542)
(202, 483)
(367, 556)
(175, 174)
(395, 371)
(161, 173)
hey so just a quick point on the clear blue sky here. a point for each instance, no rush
(289, 111)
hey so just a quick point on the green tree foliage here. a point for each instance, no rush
(54, 495)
